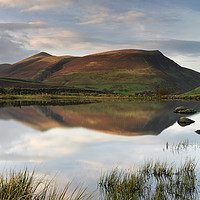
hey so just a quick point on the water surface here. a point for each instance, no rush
(82, 141)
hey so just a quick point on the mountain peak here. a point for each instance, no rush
(42, 54)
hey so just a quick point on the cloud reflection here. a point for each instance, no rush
(83, 154)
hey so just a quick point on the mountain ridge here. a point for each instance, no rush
(123, 71)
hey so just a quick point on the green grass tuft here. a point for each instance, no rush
(24, 185)
(153, 181)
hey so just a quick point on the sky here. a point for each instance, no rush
(82, 27)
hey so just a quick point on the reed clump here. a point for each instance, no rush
(24, 185)
(153, 181)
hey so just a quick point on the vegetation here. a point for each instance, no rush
(26, 186)
(181, 146)
(152, 181)
(84, 95)
(122, 71)
(196, 91)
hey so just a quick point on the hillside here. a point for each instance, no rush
(35, 68)
(4, 66)
(124, 71)
(196, 91)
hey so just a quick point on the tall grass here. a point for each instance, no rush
(184, 145)
(24, 185)
(156, 181)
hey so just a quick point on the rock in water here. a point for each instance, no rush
(184, 121)
(178, 109)
(197, 131)
(183, 110)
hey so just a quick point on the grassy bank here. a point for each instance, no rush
(97, 97)
(48, 95)
(81, 97)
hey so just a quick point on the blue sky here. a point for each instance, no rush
(81, 27)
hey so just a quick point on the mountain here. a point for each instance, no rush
(2, 66)
(35, 68)
(124, 71)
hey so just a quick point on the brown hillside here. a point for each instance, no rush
(35, 68)
(123, 71)
(126, 70)
(4, 66)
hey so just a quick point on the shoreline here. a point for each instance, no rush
(93, 97)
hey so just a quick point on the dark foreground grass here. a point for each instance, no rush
(24, 185)
(155, 181)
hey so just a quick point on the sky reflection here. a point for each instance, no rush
(82, 154)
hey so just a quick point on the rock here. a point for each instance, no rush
(180, 108)
(183, 110)
(197, 131)
(184, 121)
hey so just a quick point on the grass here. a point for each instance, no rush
(83, 97)
(128, 81)
(196, 91)
(152, 181)
(92, 96)
(24, 185)
(181, 146)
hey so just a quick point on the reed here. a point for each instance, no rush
(154, 180)
(24, 185)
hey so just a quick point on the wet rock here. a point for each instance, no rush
(184, 121)
(197, 131)
(178, 109)
(183, 110)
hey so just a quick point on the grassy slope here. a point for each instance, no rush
(196, 91)
(35, 68)
(4, 65)
(126, 71)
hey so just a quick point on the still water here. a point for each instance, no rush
(80, 142)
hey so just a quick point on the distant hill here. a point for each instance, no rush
(124, 71)
(2, 66)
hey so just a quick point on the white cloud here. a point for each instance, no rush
(54, 38)
(100, 15)
(12, 50)
(35, 5)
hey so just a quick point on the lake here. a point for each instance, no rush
(80, 142)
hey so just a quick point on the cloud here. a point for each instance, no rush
(35, 5)
(14, 40)
(55, 38)
(171, 46)
(100, 15)
(11, 50)
(20, 26)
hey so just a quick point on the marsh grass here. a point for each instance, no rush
(152, 181)
(181, 146)
(24, 185)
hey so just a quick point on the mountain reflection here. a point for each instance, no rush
(119, 118)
